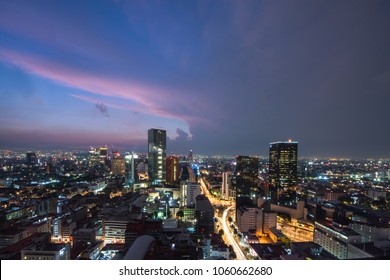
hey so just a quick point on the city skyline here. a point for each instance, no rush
(220, 78)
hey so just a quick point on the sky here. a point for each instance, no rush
(222, 77)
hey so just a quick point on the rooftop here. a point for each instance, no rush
(284, 142)
(203, 204)
(344, 231)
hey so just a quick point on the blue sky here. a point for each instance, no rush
(220, 76)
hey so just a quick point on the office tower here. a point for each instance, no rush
(246, 183)
(249, 219)
(173, 169)
(31, 158)
(93, 158)
(103, 152)
(225, 188)
(118, 166)
(131, 166)
(204, 213)
(247, 167)
(283, 172)
(157, 142)
(188, 193)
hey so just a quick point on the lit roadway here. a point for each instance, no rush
(212, 199)
(224, 221)
(229, 237)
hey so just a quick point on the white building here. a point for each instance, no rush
(225, 188)
(269, 221)
(220, 252)
(339, 241)
(255, 219)
(371, 233)
(115, 225)
(47, 252)
(62, 229)
(188, 193)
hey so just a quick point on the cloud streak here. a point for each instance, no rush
(147, 99)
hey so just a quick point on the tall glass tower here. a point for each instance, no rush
(247, 171)
(283, 157)
(157, 143)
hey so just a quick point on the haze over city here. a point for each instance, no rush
(220, 77)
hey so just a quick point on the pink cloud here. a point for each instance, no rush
(143, 98)
(120, 105)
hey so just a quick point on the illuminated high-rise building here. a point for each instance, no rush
(204, 213)
(283, 157)
(103, 152)
(130, 159)
(118, 166)
(173, 169)
(247, 166)
(188, 193)
(157, 142)
(247, 170)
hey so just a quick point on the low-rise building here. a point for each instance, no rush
(339, 241)
(277, 236)
(12, 235)
(48, 251)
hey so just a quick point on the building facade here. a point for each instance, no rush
(247, 166)
(204, 213)
(225, 188)
(157, 143)
(339, 241)
(249, 219)
(173, 169)
(255, 219)
(188, 193)
(283, 175)
(118, 166)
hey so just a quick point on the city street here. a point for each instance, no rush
(228, 236)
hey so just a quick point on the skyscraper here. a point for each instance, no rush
(157, 142)
(31, 158)
(118, 166)
(247, 166)
(204, 213)
(131, 166)
(188, 193)
(283, 176)
(246, 183)
(173, 169)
